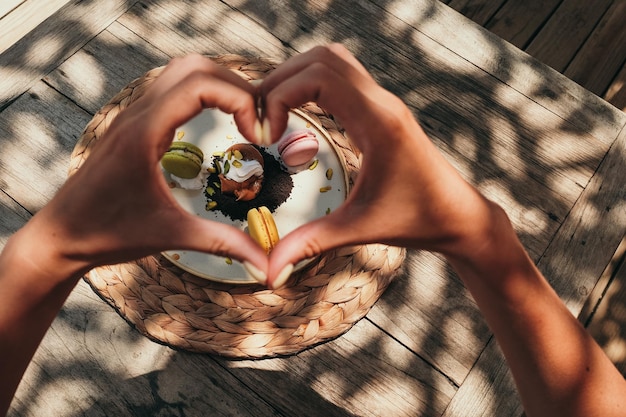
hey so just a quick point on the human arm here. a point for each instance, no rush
(115, 208)
(407, 194)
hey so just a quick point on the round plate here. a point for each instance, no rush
(215, 131)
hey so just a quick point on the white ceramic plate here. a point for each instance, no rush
(215, 131)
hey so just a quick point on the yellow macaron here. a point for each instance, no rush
(262, 228)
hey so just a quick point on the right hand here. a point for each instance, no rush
(406, 193)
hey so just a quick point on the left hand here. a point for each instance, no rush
(118, 207)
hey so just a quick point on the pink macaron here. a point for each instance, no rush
(298, 147)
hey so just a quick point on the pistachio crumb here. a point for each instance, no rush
(180, 135)
(325, 189)
(314, 164)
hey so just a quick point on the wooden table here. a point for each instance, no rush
(553, 154)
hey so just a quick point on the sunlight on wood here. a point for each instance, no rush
(8, 6)
(23, 17)
(616, 350)
(319, 6)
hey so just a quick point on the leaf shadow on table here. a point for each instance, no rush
(426, 311)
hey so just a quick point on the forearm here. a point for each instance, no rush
(34, 287)
(557, 366)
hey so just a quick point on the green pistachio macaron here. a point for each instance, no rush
(183, 160)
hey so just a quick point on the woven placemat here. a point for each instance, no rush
(176, 308)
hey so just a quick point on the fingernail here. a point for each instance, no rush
(255, 273)
(258, 132)
(283, 276)
(266, 133)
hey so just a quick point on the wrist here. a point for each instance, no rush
(492, 261)
(37, 250)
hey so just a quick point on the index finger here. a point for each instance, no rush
(186, 87)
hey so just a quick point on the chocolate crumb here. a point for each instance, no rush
(277, 186)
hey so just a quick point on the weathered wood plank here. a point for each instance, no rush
(616, 95)
(518, 22)
(12, 216)
(37, 53)
(18, 17)
(363, 373)
(429, 310)
(592, 232)
(8, 6)
(596, 64)
(582, 248)
(104, 66)
(92, 363)
(211, 28)
(38, 132)
(503, 61)
(489, 390)
(603, 54)
(608, 324)
(597, 294)
(568, 28)
(479, 11)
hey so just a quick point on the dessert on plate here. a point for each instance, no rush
(240, 171)
(297, 149)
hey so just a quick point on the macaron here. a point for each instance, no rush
(298, 147)
(183, 160)
(262, 228)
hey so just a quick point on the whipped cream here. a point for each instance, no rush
(247, 169)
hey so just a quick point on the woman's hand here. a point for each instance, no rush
(406, 193)
(117, 207)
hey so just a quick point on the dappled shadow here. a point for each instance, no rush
(533, 161)
(606, 319)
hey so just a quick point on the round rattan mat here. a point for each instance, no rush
(178, 309)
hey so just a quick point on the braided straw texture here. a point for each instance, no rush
(176, 308)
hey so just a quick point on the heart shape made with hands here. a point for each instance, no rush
(174, 307)
(315, 191)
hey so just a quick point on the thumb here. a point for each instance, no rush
(326, 233)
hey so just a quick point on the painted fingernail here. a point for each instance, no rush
(255, 273)
(267, 133)
(258, 132)
(282, 276)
